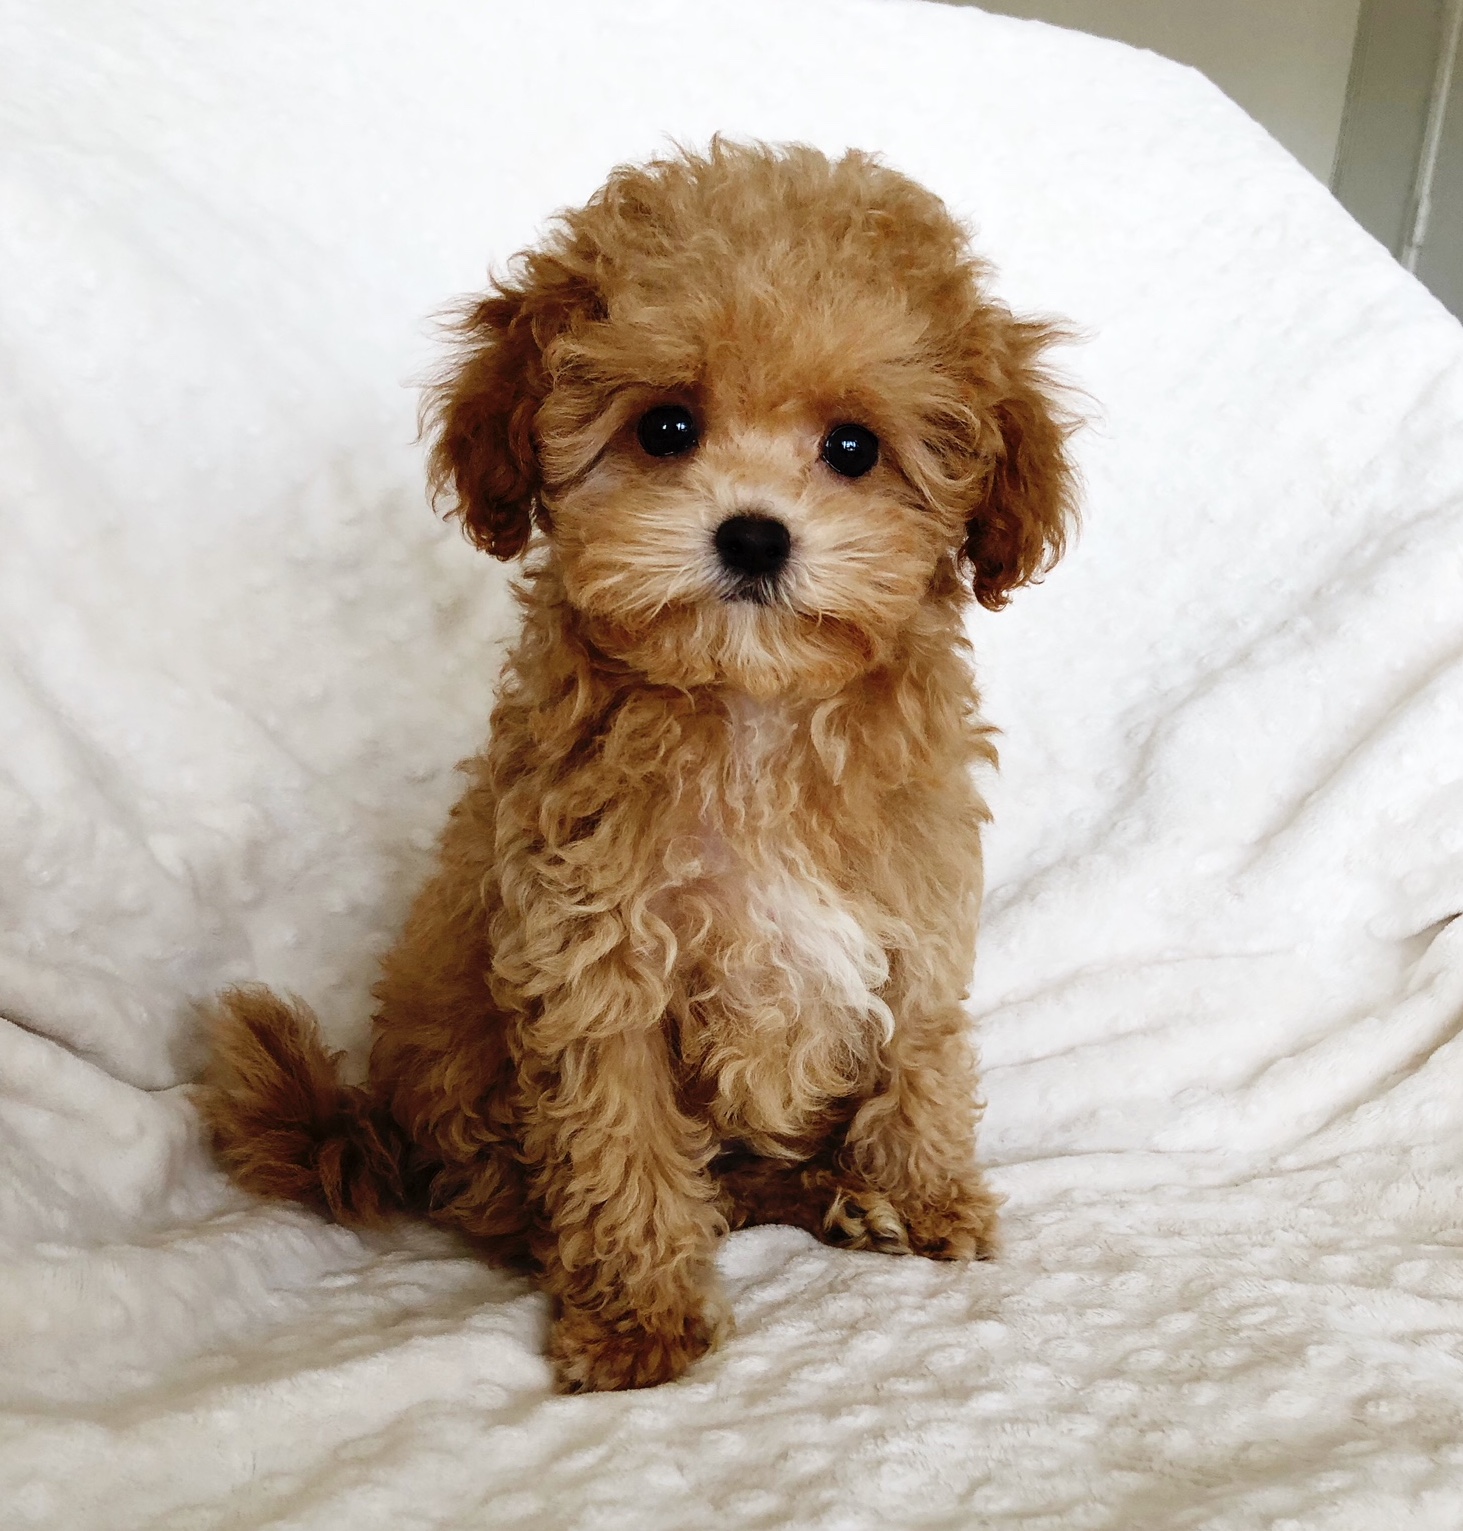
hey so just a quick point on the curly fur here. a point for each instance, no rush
(696, 947)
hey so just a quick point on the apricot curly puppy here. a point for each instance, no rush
(695, 951)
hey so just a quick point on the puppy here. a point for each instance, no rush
(694, 953)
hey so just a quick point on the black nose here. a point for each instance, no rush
(753, 545)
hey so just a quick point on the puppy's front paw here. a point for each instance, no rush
(593, 1354)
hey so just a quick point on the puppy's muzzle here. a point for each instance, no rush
(753, 550)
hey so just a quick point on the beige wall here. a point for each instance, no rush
(1440, 260)
(1346, 85)
(1285, 61)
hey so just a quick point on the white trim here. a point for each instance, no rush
(1437, 111)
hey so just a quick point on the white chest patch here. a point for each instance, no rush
(817, 955)
(784, 990)
(795, 927)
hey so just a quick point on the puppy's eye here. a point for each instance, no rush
(668, 430)
(851, 450)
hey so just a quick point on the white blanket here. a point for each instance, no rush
(1219, 989)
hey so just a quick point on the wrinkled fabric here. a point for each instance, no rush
(1221, 973)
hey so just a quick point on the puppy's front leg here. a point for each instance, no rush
(631, 1223)
(915, 1140)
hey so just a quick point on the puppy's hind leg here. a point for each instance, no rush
(834, 1205)
(914, 1140)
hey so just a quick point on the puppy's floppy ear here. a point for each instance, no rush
(1025, 502)
(480, 416)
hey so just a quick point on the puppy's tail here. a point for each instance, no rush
(283, 1124)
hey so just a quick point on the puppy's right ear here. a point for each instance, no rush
(480, 416)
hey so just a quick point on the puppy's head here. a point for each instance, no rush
(764, 410)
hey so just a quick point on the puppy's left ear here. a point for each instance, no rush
(481, 415)
(1025, 503)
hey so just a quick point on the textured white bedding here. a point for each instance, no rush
(1219, 988)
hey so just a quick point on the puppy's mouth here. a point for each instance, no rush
(754, 590)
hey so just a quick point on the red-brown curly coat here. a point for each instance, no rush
(696, 948)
